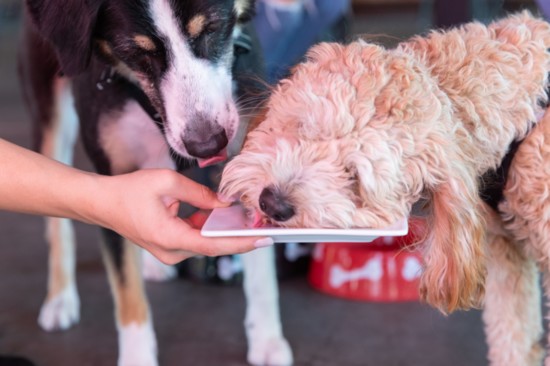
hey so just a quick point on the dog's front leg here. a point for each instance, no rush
(524, 213)
(512, 311)
(266, 343)
(123, 259)
(61, 309)
(136, 337)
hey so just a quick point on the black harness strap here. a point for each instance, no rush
(492, 183)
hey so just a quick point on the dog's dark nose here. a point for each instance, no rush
(274, 206)
(205, 141)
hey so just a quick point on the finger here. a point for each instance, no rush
(179, 235)
(172, 257)
(198, 195)
(197, 243)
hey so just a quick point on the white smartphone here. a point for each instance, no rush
(233, 221)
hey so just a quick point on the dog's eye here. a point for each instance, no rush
(212, 41)
(212, 27)
(149, 62)
(143, 61)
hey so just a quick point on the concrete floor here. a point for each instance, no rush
(200, 324)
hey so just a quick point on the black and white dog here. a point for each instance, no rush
(145, 81)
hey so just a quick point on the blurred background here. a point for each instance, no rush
(198, 317)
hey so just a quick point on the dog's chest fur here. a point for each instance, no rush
(131, 141)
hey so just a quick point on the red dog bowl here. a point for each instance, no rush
(384, 270)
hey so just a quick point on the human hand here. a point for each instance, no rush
(143, 207)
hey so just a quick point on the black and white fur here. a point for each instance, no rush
(144, 81)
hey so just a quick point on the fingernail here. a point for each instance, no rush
(265, 242)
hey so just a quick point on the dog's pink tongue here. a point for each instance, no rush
(258, 220)
(213, 160)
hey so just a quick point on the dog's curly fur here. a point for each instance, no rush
(358, 133)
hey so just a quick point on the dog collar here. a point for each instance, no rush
(106, 78)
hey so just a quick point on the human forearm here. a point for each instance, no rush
(141, 206)
(31, 183)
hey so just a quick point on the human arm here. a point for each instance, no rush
(141, 206)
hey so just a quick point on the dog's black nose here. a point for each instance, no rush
(274, 206)
(204, 141)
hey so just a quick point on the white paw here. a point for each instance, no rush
(155, 270)
(137, 345)
(270, 352)
(61, 311)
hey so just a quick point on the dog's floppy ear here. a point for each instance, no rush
(454, 272)
(245, 10)
(68, 25)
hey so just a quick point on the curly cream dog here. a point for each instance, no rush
(359, 133)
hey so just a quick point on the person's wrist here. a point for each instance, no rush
(96, 199)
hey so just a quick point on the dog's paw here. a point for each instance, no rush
(137, 345)
(155, 270)
(270, 352)
(61, 311)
